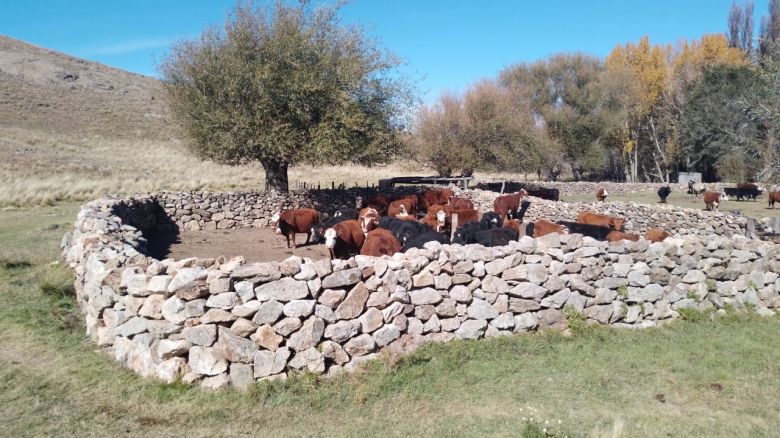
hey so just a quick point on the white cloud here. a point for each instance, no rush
(127, 47)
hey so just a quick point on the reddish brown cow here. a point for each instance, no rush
(657, 235)
(434, 197)
(461, 203)
(507, 205)
(431, 221)
(616, 236)
(377, 202)
(601, 194)
(414, 203)
(401, 207)
(344, 239)
(380, 242)
(298, 221)
(587, 217)
(543, 227)
(712, 200)
(515, 225)
(773, 197)
(369, 219)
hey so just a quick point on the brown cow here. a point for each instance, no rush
(656, 235)
(507, 205)
(461, 203)
(414, 203)
(434, 197)
(712, 200)
(439, 217)
(369, 219)
(587, 217)
(543, 227)
(601, 194)
(515, 225)
(298, 221)
(380, 242)
(377, 202)
(616, 236)
(773, 197)
(344, 239)
(401, 207)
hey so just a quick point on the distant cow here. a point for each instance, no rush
(695, 188)
(586, 217)
(713, 199)
(773, 197)
(664, 192)
(543, 227)
(656, 235)
(298, 221)
(369, 219)
(508, 205)
(434, 197)
(461, 203)
(380, 242)
(544, 193)
(616, 236)
(748, 190)
(601, 194)
(344, 239)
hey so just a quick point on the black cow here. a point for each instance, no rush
(495, 236)
(595, 231)
(664, 192)
(347, 213)
(404, 231)
(523, 208)
(429, 236)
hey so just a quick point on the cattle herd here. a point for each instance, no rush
(382, 225)
(743, 191)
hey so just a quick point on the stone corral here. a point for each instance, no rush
(589, 187)
(218, 322)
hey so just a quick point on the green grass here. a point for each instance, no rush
(716, 377)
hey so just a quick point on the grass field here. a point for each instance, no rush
(708, 378)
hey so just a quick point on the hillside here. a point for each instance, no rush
(45, 90)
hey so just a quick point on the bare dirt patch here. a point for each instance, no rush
(254, 244)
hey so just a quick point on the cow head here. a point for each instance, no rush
(523, 193)
(275, 222)
(617, 223)
(369, 220)
(330, 238)
(403, 212)
(761, 189)
(441, 220)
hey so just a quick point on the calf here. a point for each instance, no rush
(344, 239)
(461, 203)
(656, 235)
(507, 205)
(587, 217)
(369, 219)
(543, 227)
(601, 194)
(380, 242)
(616, 236)
(773, 197)
(400, 207)
(712, 200)
(664, 192)
(434, 197)
(377, 202)
(298, 221)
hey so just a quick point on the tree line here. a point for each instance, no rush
(283, 83)
(644, 113)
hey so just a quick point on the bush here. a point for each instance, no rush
(56, 281)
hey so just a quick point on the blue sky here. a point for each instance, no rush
(446, 44)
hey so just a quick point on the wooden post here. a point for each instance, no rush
(453, 225)
(776, 225)
(502, 187)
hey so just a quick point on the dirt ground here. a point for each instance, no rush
(255, 244)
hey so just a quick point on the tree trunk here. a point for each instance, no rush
(276, 176)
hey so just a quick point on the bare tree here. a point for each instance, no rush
(746, 31)
(735, 22)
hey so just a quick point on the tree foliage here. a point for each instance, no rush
(283, 84)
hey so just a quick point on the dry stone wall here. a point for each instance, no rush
(589, 187)
(223, 322)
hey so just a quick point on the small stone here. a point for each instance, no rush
(471, 329)
(360, 345)
(299, 308)
(226, 300)
(217, 315)
(269, 363)
(425, 296)
(284, 289)
(346, 277)
(556, 300)
(504, 321)
(308, 336)
(387, 334)
(342, 331)
(243, 327)
(354, 303)
(203, 335)
(335, 352)
(168, 348)
(266, 337)
(268, 313)
(461, 294)
(332, 297)
(371, 320)
(526, 321)
(286, 326)
(480, 309)
(311, 359)
(241, 376)
(207, 361)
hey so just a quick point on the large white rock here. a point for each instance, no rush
(207, 361)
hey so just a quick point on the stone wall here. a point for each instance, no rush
(226, 322)
(589, 188)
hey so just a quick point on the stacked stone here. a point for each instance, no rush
(569, 188)
(639, 217)
(225, 322)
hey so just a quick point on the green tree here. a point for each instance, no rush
(714, 128)
(283, 84)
